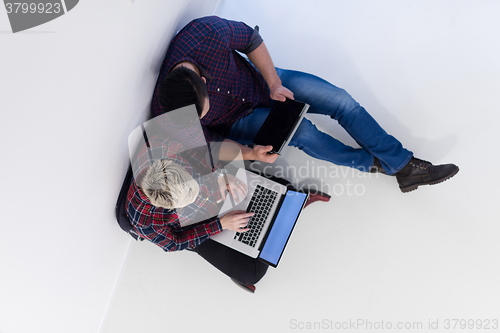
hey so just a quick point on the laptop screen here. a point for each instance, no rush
(282, 227)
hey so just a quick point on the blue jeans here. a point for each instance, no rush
(327, 99)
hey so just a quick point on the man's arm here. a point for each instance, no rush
(261, 58)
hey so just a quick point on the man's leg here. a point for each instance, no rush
(378, 147)
(325, 98)
(307, 138)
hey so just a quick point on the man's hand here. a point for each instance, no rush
(261, 153)
(236, 220)
(280, 93)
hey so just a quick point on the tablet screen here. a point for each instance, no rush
(280, 124)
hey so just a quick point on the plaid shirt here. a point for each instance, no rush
(162, 226)
(234, 86)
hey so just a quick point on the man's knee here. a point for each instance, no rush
(305, 135)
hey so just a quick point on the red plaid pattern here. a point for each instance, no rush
(161, 226)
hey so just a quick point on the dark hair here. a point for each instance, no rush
(182, 87)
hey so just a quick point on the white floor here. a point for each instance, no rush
(429, 72)
(370, 260)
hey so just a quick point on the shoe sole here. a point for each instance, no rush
(313, 192)
(415, 186)
(249, 288)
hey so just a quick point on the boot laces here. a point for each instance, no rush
(418, 163)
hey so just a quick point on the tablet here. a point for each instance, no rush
(281, 124)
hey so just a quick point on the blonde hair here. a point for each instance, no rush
(168, 185)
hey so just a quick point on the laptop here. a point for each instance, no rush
(277, 210)
(281, 124)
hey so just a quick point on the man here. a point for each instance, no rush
(202, 61)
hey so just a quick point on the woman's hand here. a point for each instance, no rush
(237, 188)
(236, 220)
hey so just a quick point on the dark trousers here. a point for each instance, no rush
(234, 264)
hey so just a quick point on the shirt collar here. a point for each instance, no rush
(202, 70)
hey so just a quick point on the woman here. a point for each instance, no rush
(166, 192)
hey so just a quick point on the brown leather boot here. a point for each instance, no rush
(419, 172)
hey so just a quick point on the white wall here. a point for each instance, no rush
(74, 88)
(429, 72)
(71, 91)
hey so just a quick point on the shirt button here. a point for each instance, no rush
(218, 89)
(243, 99)
(228, 92)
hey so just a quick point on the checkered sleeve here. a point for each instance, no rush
(166, 232)
(161, 226)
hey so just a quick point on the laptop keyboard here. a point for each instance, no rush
(260, 204)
